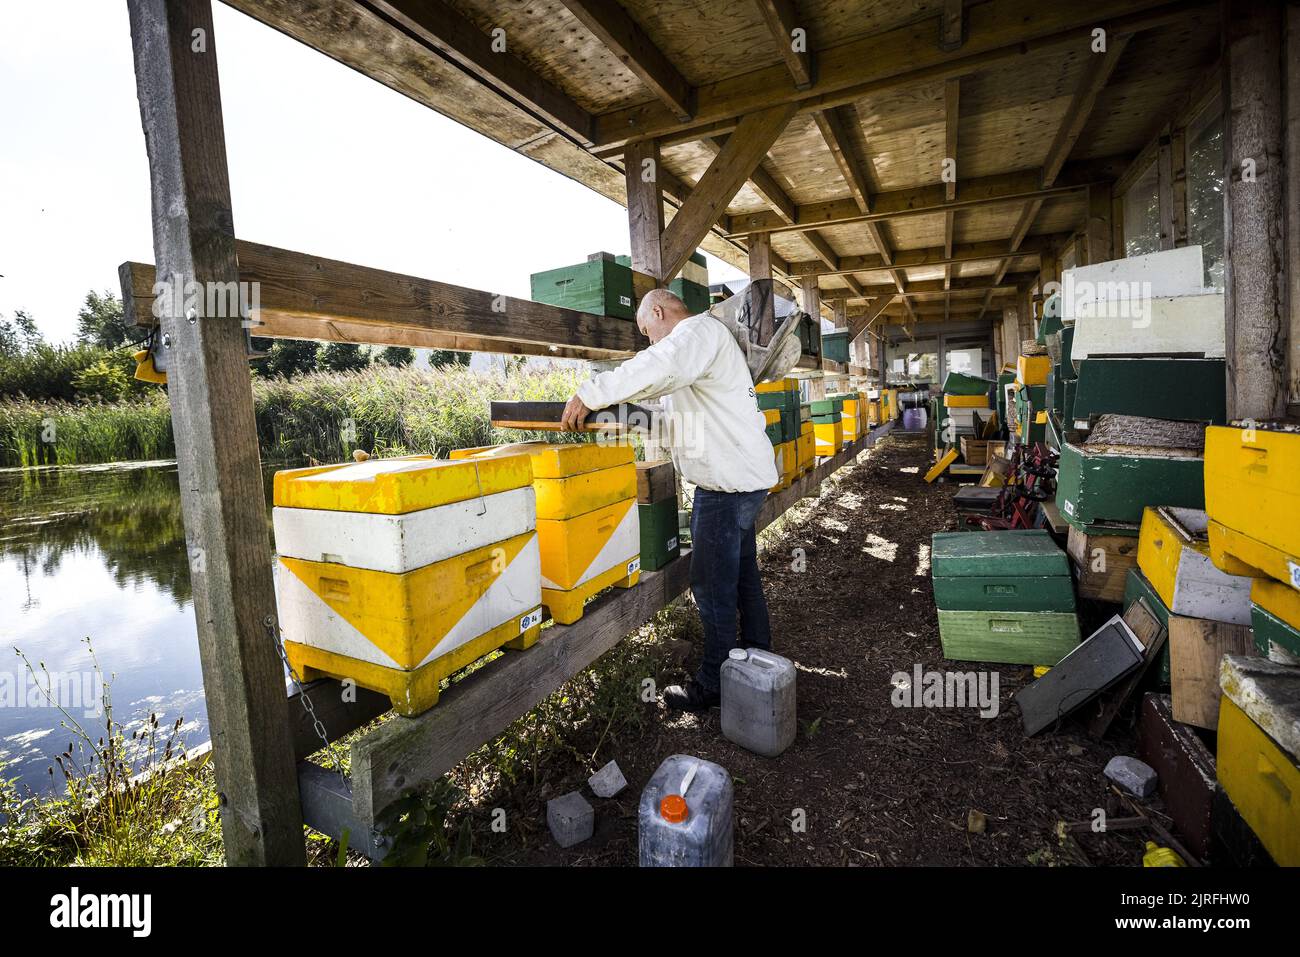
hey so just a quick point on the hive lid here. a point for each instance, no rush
(398, 485)
(558, 459)
(1018, 552)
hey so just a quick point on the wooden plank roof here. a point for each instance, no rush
(855, 177)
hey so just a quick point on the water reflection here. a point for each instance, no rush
(94, 552)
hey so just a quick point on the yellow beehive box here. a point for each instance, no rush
(1032, 370)
(829, 437)
(806, 448)
(966, 401)
(873, 412)
(1174, 555)
(789, 462)
(588, 526)
(395, 573)
(398, 485)
(779, 385)
(1252, 495)
(1263, 782)
(1278, 599)
(849, 419)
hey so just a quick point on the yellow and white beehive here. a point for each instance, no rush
(849, 424)
(806, 448)
(587, 521)
(395, 573)
(1174, 554)
(829, 437)
(785, 454)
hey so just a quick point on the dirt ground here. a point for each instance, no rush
(876, 784)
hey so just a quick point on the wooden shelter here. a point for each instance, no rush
(929, 165)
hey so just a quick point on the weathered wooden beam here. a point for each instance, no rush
(950, 26)
(1098, 231)
(834, 130)
(1255, 267)
(445, 31)
(760, 256)
(996, 190)
(999, 32)
(762, 182)
(733, 165)
(782, 21)
(862, 321)
(926, 256)
(611, 24)
(645, 209)
(810, 296)
(298, 286)
(1096, 74)
(1291, 59)
(222, 501)
(825, 252)
(951, 118)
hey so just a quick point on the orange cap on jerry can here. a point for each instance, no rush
(673, 809)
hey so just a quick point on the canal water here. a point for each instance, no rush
(93, 569)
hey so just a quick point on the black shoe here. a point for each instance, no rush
(692, 697)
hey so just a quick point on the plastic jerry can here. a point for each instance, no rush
(685, 815)
(758, 701)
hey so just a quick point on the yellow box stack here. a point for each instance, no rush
(587, 522)
(395, 573)
(806, 448)
(1252, 500)
(849, 417)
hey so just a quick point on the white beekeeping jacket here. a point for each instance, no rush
(711, 422)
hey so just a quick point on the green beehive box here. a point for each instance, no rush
(1015, 570)
(1126, 464)
(1271, 630)
(1191, 389)
(1055, 390)
(1137, 586)
(959, 383)
(1037, 395)
(805, 413)
(692, 285)
(1008, 637)
(776, 433)
(835, 346)
(828, 406)
(1067, 363)
(600, 286)
(659, 543)
(1071, 387)
(789, 424)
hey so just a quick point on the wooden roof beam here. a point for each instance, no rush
(623, 36)
(928, 200)
(927, 256)
(762, 182)
(733, 165)
(860, 322)
(344, 302)
(442, 29)
(951, 104)
(951, 24)
(1095, 76)
(998, 32)
(783, 21)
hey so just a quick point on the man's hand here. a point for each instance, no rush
(575, 413)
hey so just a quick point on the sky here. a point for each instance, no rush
(322, 160)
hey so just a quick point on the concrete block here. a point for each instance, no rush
(608, 781)
(570, 818)
(1136, 777)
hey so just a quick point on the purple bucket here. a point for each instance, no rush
(914, 419)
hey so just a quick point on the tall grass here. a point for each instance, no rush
(323, 415)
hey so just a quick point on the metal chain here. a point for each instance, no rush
(273, 630)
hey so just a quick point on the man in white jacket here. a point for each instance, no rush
(715, 431)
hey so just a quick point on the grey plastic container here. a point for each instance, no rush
(704, 839)
(758, 701)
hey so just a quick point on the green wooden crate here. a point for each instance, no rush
(1008, 637)
(1070, 387)
(1137, 586)
(835, 346)
(1269, 629)
(827, 419)
(693, 294)
(775, 433)
(1103, 486)
(959, 383)
(1055, 390)
(1015, 553)
(994, 593)
(659, 543)
(1067, 362)
(599, 286)
(827, 407)
(1189, 389)
(1037, 395)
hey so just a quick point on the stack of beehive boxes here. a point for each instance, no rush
(394, 573)
(1031, 396)
(656, 503)
(1003, 596)
(828, 426)
(849, 425)
(588, 527)
(782, 396)
(1252, 498)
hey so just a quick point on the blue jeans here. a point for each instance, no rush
(724, 577)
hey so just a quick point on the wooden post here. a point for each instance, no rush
(1254, 213)
(1292, 60)
(216, 436)
(1098, 232)
(760, 256)
(840, 311)
(1024, 319)
(811, 298)
(645, 209)
(1165, 190)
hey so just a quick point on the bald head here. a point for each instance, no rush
(659, 312)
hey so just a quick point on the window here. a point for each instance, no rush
(1142, 215)
(1205, 190)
